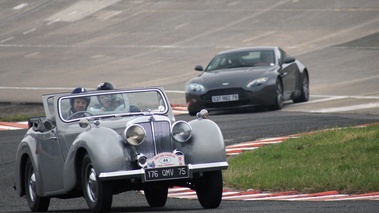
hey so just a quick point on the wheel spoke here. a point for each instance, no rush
(92, 185)
(32, 186)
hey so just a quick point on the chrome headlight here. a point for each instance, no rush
(195, 87)
(135, 134)
(257, 82)
(181, 131)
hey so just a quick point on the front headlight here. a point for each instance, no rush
(257, 82)
(135, 134)
(195, 87)
(181, 131)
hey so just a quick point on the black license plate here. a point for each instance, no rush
(166, 173)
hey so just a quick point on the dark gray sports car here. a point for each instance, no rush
(248, 78)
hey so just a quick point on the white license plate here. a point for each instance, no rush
(166, 173)
(225, 98)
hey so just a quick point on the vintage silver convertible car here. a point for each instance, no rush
(136, 146)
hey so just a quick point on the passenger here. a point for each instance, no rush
(108, 102)
(78, 104)
(116, 102)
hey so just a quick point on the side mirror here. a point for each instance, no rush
(83, 122)
(43, 125)
(49, 125)
(289, 59)
(199, 68)
(203, 114)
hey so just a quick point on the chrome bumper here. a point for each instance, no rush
(140, 173)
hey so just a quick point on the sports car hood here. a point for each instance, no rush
(236, 77)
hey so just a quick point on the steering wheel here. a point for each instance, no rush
(80, 114)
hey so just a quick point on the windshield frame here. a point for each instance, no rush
(242, 58)
(63, 101)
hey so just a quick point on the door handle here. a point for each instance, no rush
(283, 74)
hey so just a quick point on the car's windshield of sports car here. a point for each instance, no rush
(242, 59)
(112, 103)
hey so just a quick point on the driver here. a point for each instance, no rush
(78, 104)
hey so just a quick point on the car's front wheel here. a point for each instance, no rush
(35, 202)
(156, 195)
(278, 96)
(304, 96)
(98, 194)
(209, 189)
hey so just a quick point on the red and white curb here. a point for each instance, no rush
(179, 109)
(186, 193)
(13, 125)
(239, 148)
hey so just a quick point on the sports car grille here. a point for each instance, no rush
(157, 143)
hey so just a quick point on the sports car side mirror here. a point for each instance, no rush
(289, 60)
(199, 68)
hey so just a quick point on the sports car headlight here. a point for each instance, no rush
(181, 131)
(196, 87)
(257, 82)
(135, 134)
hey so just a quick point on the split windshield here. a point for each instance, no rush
(121, 103)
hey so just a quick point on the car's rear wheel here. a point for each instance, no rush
(156, 195)
(98, 194)
(209, 189)
(304, 96)
(278, 96)
(35, 202)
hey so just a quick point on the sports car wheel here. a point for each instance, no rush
(35, 202)
(209, 189)
(278, 96)
(156, 195)
(304, 96)
(98, 194)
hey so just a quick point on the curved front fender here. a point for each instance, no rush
(105, 148)
(206, 144)
(26, 149)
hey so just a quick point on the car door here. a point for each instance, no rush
(49, 154)
(50, 161)
(288, 73)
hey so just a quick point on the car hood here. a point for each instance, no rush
(236, 77)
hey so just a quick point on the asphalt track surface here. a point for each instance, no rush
(51, 46)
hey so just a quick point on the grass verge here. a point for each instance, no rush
(345, 160)
(15, 118)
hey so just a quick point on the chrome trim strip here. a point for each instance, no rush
(121, 173)
(207, 165)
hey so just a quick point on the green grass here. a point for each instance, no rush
(345, 160)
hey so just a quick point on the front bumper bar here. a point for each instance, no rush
(140, 173)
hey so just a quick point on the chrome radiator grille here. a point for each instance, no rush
(157, 143)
